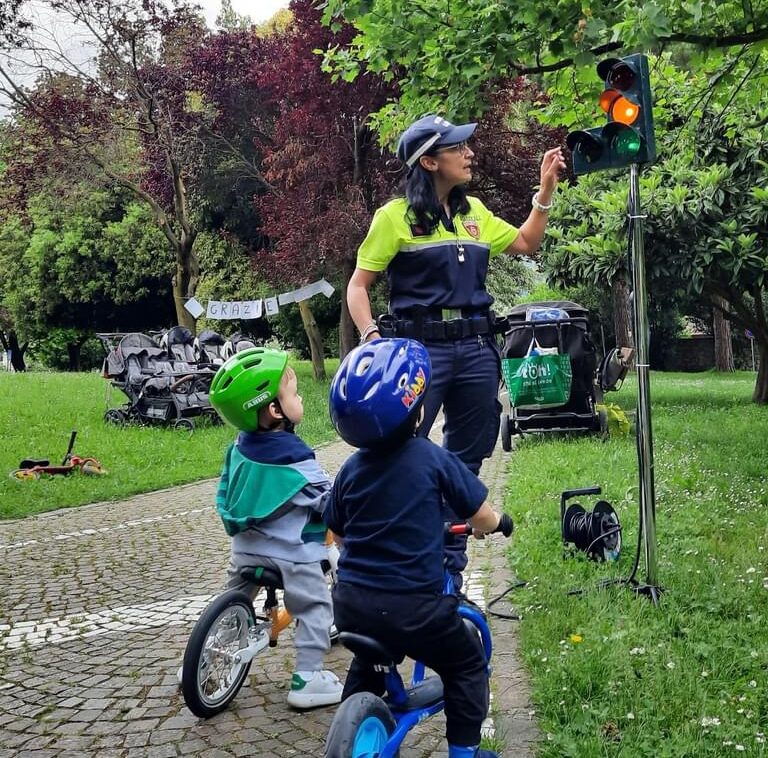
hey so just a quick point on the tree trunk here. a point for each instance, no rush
(760, 395)
(722, 329)
(315, 339)
(185, 280)
(346, 325)
(621, 314)
(17, 351)
(73, 355)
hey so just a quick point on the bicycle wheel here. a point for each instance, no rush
(211, 676)
(360, 728)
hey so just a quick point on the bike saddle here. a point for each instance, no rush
(262, 576)
(369, 650)
(32, 462)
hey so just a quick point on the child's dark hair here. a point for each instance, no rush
(424, 205)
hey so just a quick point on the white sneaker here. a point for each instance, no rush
(324, 688)
(333, 634)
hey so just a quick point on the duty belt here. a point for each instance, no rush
(423, 327)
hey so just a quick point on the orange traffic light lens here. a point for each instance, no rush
(624, 111)
(607, 99)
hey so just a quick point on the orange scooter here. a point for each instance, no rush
(31, 468)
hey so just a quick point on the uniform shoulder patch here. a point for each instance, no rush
(472, 227)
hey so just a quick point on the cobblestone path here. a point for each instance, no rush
(97, 602)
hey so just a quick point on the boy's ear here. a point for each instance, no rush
(275, 410)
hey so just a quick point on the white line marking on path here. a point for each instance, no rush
(127, 618)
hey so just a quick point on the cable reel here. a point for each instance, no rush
(596, 533)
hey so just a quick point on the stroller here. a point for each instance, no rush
(558, 328)
(236, 343)
(162, 382)
(209, 348)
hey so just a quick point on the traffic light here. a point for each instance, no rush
(628, 136)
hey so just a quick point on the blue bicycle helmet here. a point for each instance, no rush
(378, 389)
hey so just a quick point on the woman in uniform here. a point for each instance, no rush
(435, 244)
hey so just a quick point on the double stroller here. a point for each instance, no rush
(164, 381)
(211, 349)
(559, 331)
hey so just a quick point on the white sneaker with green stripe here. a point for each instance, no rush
(321, 688)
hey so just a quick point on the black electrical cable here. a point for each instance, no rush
(498, 614)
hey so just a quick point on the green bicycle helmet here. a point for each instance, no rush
(246, 383)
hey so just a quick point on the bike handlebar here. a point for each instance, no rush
(505, 527)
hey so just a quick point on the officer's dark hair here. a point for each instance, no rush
(424, 205)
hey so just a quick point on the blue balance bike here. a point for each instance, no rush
(368, 726)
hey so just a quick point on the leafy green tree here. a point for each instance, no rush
(706, 229)
(139, 94)
(100, 265)
(447, 55)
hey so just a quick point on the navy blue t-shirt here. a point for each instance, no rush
(388, 508)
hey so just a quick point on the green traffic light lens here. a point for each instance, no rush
(627, 143)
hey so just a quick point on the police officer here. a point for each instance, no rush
(435, 244)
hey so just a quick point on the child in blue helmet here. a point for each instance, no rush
(386, 505)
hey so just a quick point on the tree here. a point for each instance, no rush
(135, 95)
(230, 20)
(707, 209)
(79, 266)
(324, 162)
(721, 328)
(445, 55)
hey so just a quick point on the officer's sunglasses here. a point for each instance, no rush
(462, 148)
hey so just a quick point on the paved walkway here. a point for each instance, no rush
(97, 602)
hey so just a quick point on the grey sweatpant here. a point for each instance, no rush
(307, 598)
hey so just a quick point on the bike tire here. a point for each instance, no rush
(360, 728)
(230, 615)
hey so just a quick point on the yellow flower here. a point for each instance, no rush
(576, 638)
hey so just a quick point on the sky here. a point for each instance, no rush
(258, 10)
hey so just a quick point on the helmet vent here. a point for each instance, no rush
(226, 383)
(372, 391)
(252, 361)
(263, 386)
(363, 365)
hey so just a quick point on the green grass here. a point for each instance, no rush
(39, 410)
(686, 678)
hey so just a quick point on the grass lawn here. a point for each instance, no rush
(612, 674)
(39, 410)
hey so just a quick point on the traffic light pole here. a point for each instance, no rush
(644, 438)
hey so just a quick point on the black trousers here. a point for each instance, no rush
(428, 628)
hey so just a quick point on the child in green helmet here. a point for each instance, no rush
(270, 498)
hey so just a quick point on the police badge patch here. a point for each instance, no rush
(471, 226)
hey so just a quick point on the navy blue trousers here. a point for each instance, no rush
(465, 383)
(427, 628)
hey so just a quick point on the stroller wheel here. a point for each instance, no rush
(506, 433)
(213, 418)
(115, 416)
(184, 424)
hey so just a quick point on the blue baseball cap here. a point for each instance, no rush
(429, 132)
